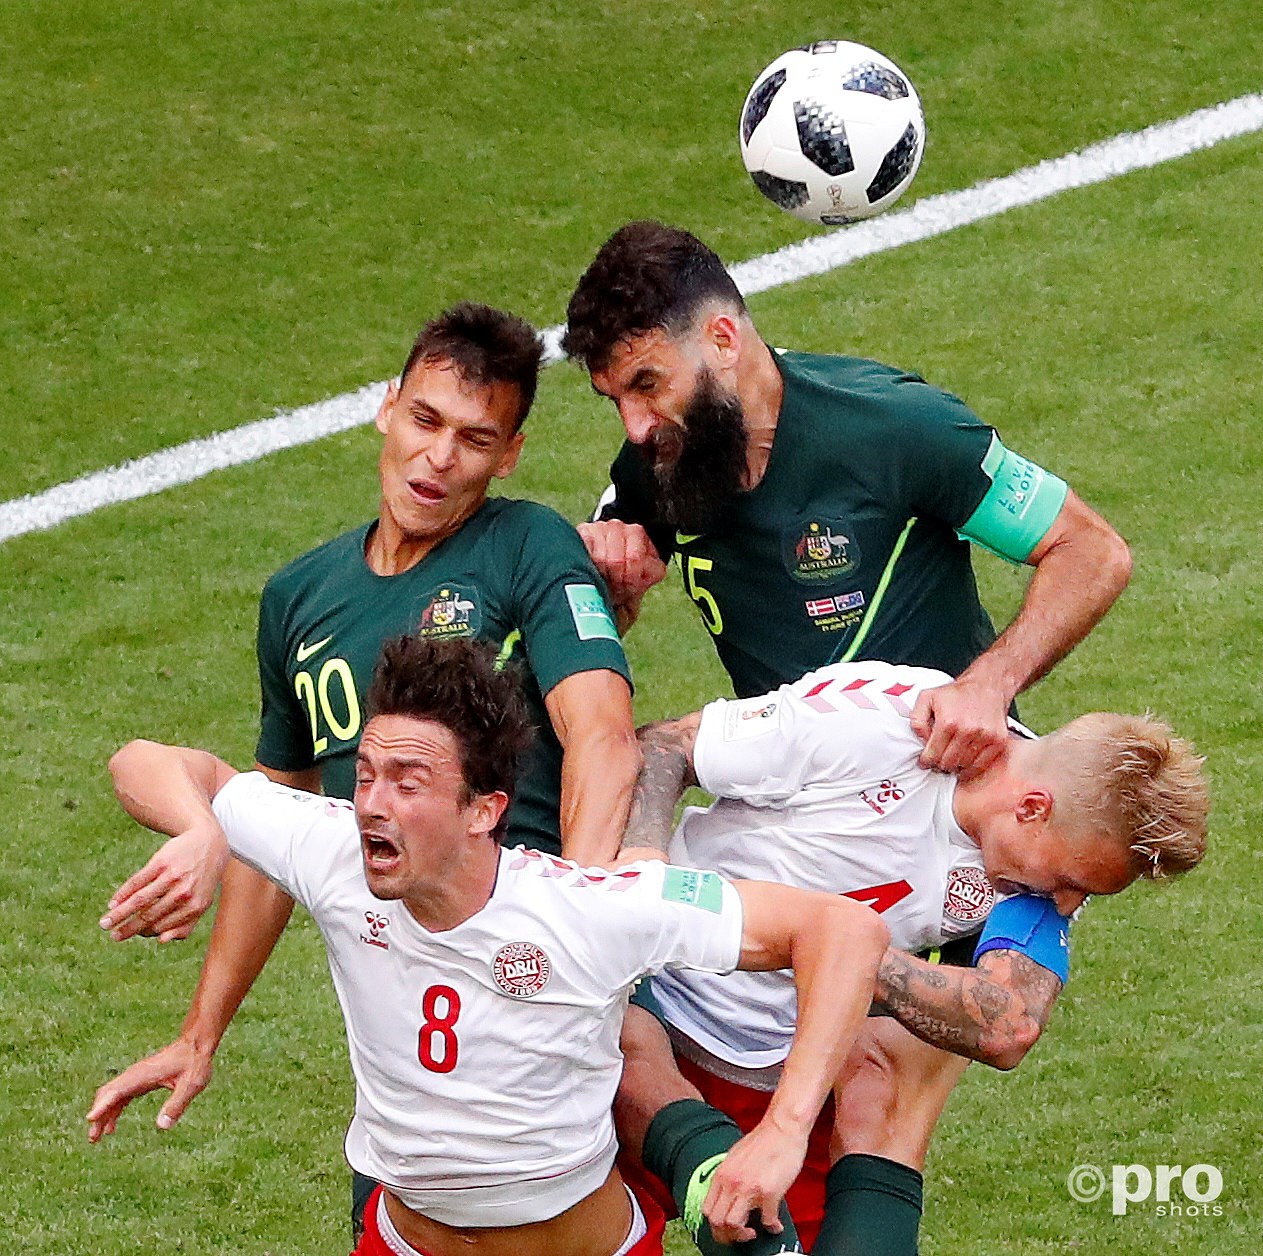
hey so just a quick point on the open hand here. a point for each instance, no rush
(180, 1067)
(169, 895)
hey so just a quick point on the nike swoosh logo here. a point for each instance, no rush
(706, 1174)
(682, 538)
(304, 651)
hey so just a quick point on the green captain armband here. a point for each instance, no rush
(1019, 507)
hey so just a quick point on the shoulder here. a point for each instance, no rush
(866, 387)
(532, 530)
(315, 565)
(521, 515)
(568, 886)
(875, 699)
(253, 800)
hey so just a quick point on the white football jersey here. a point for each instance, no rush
(817, 785)
(485, 1056)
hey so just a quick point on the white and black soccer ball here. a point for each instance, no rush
(832, 132)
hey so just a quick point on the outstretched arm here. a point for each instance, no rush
(1081, 566)
(994, 1012)
(834, 945)
(251, 917)
(666, 771)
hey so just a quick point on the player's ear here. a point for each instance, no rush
(485, 812)
(723, 332)
(382, 421)
(509, 459)
(1034, 805)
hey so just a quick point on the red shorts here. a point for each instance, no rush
(806, 1197)
(374, 1243)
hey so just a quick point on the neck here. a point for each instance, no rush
(390, 550)
(977, 798)
(458, 891)
(761, 389)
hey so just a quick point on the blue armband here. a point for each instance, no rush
(1033, 926)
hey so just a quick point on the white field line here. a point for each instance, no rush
(929, 217)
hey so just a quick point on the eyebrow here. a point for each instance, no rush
(642, 375)
(397, 764)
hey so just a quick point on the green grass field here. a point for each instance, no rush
(214, 211)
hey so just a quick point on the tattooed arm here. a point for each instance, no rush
(994, 1012)
(666, 771)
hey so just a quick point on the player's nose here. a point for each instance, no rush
(638, 420)
(1068, 902)
(441, 451)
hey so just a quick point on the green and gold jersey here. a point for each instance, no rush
(851, 546)
(516, 574)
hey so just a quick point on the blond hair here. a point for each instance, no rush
(1130, 777)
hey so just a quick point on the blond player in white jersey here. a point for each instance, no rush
(483, 989)
(818, 784)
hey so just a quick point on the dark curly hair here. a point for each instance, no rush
(487, 346)
(645, 276)
(457, 684)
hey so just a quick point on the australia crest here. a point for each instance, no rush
(450, 611)
(820, 550)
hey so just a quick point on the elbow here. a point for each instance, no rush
(121, 759)
(1007, 1049)
(869, 932)
(626, 752)
(655, 735)
(1118, 562)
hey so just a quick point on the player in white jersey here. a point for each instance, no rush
(483, 989)
(818, 784)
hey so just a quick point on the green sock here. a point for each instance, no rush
(872, 1208)
(684, 1145)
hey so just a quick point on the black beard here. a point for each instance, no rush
(700, 467)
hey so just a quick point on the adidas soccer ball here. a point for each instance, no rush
(832, 132)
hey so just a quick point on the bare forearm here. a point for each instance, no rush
(597, 777)
(665, 773)
(166, 788)
(993, 1013)
(834, 958)
(1077, 578)
(251, 918)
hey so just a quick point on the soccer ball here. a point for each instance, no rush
(832, 132)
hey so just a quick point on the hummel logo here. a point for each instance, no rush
(305, 651)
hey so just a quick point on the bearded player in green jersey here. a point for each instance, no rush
(821, 510)
(441, 560)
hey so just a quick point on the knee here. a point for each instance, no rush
(865, 1106)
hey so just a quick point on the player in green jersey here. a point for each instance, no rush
(821, 510)
(441, 560)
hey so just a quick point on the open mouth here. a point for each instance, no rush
(426, 491)
(379, 852)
